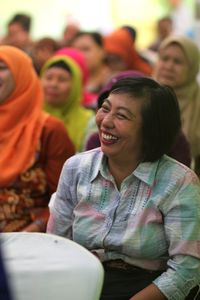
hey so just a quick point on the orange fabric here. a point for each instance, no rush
(119, 42)
(21, 116)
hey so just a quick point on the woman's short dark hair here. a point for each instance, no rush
(95, 36)
(23, 19)
(160, 113)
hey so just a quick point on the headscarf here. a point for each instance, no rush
(21, 117)
(120, 75)
(120, 42)
(189, 93)
(72, 113)
(80, 59)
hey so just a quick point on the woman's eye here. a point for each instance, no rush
(2, 68)
(48, 77)
(178, 62)
(105, 109)
(121, 116)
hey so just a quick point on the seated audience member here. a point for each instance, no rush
(178, 66)
(92, 46)
(180, 150)
(92, 136)
(141, 53)
(33, 146)
(80, 59)
(134, 207)
(163, 30)
(43, 49)
(18, 33)
(121, 54)
(62, 84)
(70, 30)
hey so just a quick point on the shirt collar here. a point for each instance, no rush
(145, 171)
(98, 165)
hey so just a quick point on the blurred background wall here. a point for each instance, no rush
(50, 16)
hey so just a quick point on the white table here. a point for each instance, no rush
(41, 266)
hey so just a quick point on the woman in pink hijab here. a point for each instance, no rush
(89, 99)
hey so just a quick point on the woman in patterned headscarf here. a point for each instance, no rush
(33, 146)
(178, 67)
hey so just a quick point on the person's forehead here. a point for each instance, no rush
(15, 27)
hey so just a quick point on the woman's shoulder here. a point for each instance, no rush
(169, 166)
(53, 123)
(55, 135)
(53, 127)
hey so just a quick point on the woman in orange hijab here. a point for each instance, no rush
(122, 54)
(33, 146)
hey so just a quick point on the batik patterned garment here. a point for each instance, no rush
(23, 201)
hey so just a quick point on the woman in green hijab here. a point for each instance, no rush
(62, 85)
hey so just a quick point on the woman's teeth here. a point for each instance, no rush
(108, 137)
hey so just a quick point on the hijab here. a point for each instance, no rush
(120, 42)
(189, 93)
(79, 58)
(72, 113)
(21, 116)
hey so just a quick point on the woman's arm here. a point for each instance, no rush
(151, 292)
(62, 205)
(39, 223)
(181, 223)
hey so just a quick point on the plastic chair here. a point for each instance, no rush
(48, 267)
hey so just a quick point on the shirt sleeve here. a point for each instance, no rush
(182, 224)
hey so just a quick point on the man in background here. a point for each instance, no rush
(18, 33)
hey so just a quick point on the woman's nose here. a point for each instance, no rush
(168, 64)
(108, 120)
(53, 82)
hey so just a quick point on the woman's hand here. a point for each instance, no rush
(36, 226)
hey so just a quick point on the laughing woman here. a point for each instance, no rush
(129, 203)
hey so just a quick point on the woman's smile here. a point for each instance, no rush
(108, 139)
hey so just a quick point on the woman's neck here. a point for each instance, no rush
(98, 75)
(121, 169)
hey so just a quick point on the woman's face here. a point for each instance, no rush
(7, 82)
(57, 84)
(94, 54)
(116, 63)
(119, 121)
(172, 67)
